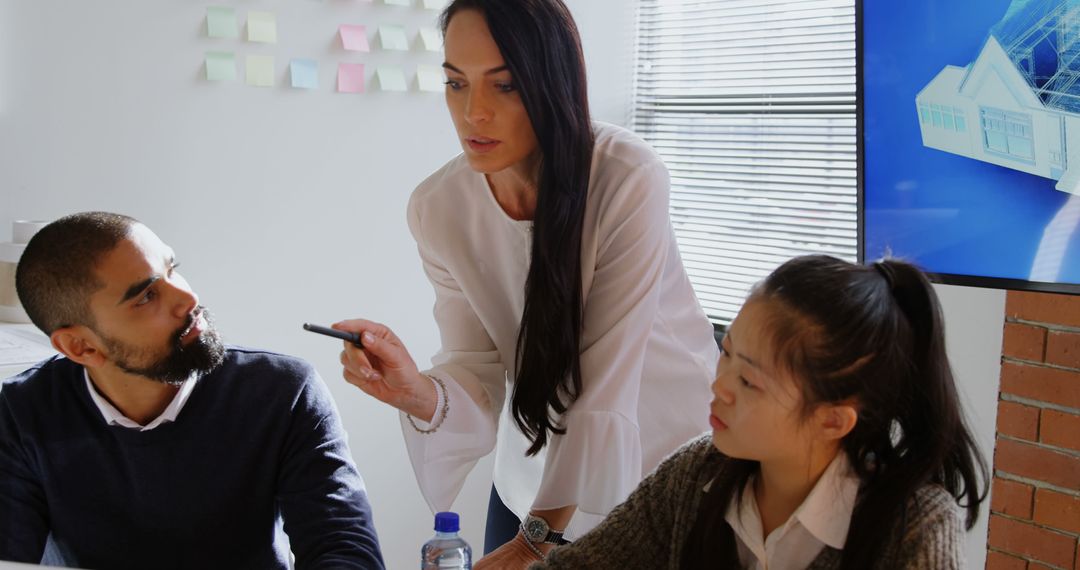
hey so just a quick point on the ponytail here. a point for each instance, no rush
(928, 440)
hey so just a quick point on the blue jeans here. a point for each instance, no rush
(502, 523)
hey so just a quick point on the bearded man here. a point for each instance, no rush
(149, 443)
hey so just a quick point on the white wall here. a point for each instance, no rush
(284, 206)
(288, 206)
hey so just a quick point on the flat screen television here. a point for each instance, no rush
(970, 146)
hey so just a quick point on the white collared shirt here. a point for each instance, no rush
(114, 417)
(821, 520)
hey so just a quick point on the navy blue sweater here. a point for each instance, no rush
(258, 448)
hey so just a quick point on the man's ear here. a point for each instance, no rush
(837, 420)
(79, 344)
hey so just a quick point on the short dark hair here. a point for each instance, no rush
(55, 275)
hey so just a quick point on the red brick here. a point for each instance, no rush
(1057, 510)
(1025, 342)
(1060, 429)
(1043, 307)
(1000, 561)
(1011, 498)
(1063, 349)
(1037, 566)
(1018, 420)
(1039, 463)
(1076, 563)
(1053, 385)
(1031, 541)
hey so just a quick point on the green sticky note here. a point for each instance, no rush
(391, 78)
(393, 38)
(221, 22)
(220, 66)
(260, 70)
(262, 27)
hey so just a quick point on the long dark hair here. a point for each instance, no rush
(873, 334)
(539, 42)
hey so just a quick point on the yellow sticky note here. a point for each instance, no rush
(430, 78)
(260, 70)
(391, 78)
(262, 27)
(431, 39)
(393, 38)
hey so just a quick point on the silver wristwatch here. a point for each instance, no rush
(537, 531)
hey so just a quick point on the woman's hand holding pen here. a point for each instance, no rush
(384, 369)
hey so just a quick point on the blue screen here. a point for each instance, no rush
(984, 214)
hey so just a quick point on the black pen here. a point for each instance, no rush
(349, 336)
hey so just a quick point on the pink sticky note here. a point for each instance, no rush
(350, 78)
(354, 37)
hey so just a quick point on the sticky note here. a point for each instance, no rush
(221, 22)
(393, 38)
(391, 78)
(220, 66)
(304, 73)
(262, 27)
(354, 37)
(430, 78)
(397, 2)
(434, 4)
(350, 78)
(431, 39)
(260, 70)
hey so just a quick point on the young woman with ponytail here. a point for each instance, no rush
(572, 342)
(838, 439)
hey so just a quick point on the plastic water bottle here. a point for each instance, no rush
(446, 549)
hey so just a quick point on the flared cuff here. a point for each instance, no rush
(594, 465)
(441, 460)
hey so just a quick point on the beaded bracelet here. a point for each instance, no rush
(444, 397)
(536, 551)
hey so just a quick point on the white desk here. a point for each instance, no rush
(21, 346)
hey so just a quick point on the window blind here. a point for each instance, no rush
(751, 104)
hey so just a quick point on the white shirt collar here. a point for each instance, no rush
(113, 416)
(822, 519)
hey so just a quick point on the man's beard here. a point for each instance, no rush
(201, 356)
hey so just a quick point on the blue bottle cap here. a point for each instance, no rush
(447, 522)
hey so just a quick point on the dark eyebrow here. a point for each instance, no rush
(137, 288)
(743, 356)
(447, 65)
(141, 286)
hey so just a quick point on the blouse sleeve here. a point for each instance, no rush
(598, 461)
(475, 378)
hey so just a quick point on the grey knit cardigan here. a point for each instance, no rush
(648, 531)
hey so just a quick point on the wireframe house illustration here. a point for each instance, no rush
(1017, 104)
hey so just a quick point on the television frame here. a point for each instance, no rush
(969, 280)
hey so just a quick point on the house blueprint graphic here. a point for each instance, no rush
(1017, 104)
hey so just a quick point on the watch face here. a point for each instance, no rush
(536, 529)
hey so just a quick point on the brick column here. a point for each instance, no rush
(1035, 506)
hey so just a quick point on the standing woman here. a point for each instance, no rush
(557, 277)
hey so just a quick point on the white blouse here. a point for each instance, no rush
(647, 350)
(821, 520)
